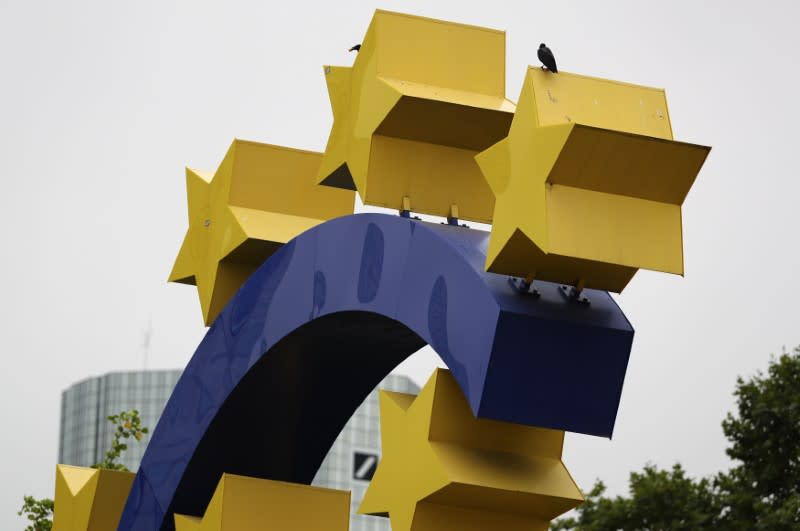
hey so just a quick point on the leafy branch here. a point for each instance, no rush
(38, 512)
(128, 424)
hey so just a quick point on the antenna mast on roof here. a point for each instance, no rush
(147, 334)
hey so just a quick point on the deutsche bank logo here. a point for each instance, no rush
(364, 465)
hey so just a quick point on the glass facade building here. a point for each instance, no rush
(85, 433)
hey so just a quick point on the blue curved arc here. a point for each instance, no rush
(347, 301)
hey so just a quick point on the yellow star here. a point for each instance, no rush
(260, 197)
(89, 498)
(443, 469)
(422, 99)
(588, 184)
(242, 503)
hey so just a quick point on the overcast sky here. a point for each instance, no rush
(103, 103)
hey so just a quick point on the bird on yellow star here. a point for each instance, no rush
(588, 184)
(443, 469)
(405, 133)
(260, 197)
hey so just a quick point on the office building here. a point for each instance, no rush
(85, 433)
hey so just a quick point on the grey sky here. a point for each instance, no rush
(102, 104)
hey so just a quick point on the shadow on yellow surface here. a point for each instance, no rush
(442, 468)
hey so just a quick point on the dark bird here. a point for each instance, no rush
(547, 58)
(355, 48)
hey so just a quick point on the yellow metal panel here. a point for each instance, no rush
(452, 423)
(615, 229)
(183, 268)
(443, 467)
(197, 185)
(112, 492)
(432, 176)
(212, 518)
(585, 205)
(448, 124)
(488, 101)
(495, 164)
(269, 226)
(627, 164)
(446, 54)
(516, 170)
(260, 197)
(195, 243)
(89, 499)
(572, 98)
(187, 523)
(334, 160)
(75, 478)
(449, 102)
(442, 517)
(75, 488)
(249, 504)
(409, 470)
(538, 488)
(282, 180)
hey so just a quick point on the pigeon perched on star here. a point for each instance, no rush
(547, 58)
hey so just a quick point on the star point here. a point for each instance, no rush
(260, 197)
(442, 466)
(588, 184)
(89, 498)
(406, 132)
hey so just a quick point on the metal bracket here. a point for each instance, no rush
(405, 209)
(523, 287)
(571, 294)
(452, 216)
(453, 222)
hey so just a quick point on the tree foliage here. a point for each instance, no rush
(760, 492)
(659, 499)
(38, 512)
(763, 490)
(127, 424)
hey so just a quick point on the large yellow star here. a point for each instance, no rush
(588, 184)
(423, 97)
(260, 197)
(89, 498)
(242, 503)
(443, 469)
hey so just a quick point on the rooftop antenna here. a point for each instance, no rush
(147, 334)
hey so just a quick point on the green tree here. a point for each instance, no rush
(659, 499)
(760, 492)
(763, 490)
(127, 424)
(38, 512)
